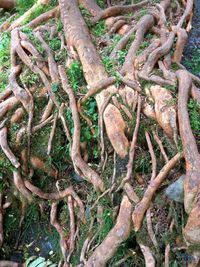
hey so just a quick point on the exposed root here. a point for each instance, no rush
(149, 259)
(72, 227)
(39, 164)
(142, 27)
(19, 183)
(20, 21)
(122, 43)
(167, 252)
(144, 204)
(133, 145)
(158, 141)
(56, 224)
(97, 88)
(192, 158)
(118, 10)
(150, 229)
(6, 149)
(52, 134)
(182, 39)
(85, 170)
(57, 196)
(115, 237)
(44, 17)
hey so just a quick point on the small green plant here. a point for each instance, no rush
(101, 3)
(194, 109)
(99, 29)
(121, 56)
(5, 49)
(23, 5)
(29, 78)
(75, 75)
(55, 44)
(193, 63)
(109, 65)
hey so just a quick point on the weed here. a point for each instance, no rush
(121, 56)
(99, 29)
(23, 5)
(101, 3)
(193, 108)
(29, 78)
(55, 44)
(75, 75)
(59, 25)
(193, 63)
(108, 64)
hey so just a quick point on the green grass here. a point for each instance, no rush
(193, 63)
(194, 109)
(4, 59)
(75, 75)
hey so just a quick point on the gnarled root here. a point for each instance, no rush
(192, 158)
(7, 4)
(118, 10)
(20, 21)
(86, 171)
(149, 259)
(144, 204)
(6, 149)
(115, 237)
(57, 196)
(57, 225)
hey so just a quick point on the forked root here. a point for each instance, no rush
(86, 171)
(144, 204)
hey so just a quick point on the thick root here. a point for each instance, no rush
(115, 237)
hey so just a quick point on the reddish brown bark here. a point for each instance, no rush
(115, 237)
(118, 10)
(7, 4)
(144, 204)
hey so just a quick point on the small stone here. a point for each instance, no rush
(175, 191)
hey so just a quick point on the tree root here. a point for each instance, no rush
(144, 204)
(19, 183)
(115, 237)
(149, 259)
(57, 196)
(85, 170)
(56, 224)
(118, 10)
(192, 158)
(20, 21)
(6, 149)
(7, 4)
(44, 17)
(52, 134)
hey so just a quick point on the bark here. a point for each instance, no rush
(85, 170)
(115, 237)
(144, 204)
(118, 10)
(191, 154)
(7, 4)
(77, 35)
